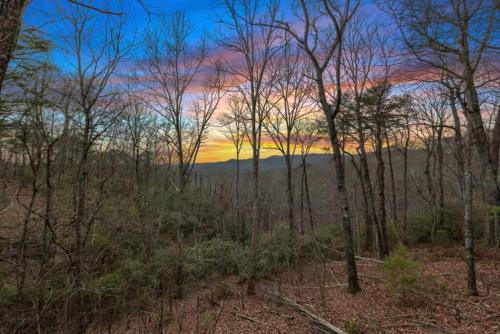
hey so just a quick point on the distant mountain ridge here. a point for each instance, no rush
(271, 163)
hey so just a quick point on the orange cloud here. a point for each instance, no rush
(218, 148)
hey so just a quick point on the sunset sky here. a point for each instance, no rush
(204, 15)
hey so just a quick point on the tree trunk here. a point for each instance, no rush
(391, 174)
(302, 229)
(488, 179)
(366, 214)
(405, 189)
(255, 209)
(431, 195)
(289, 191)
(382, 226)
(440, 177)
(459, 144)
(308, 197)
(366, 181)
(468, 228)
(353, 284)
(495, 144)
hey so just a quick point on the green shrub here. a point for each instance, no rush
(400, 272)
(323, 245)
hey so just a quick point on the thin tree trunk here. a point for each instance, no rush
(495, 144)
(289, 190)
(302, 199)
(468, 228)
(405, 190)
(440, 178)
(488, 178)
(393, 185)
(308, 197)
(370, 197)
(353, 284)
(431, 195)
(255, 210)
(382, 226)
(366, 214)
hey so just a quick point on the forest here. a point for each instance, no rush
(249, 166)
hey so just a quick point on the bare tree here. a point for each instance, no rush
(234, 129)
(256, 44)
(434, 114)
(453, 37)
(358, 66)
(307, 133)
(172, 67)
(320, 56)
(96, 48)
(292, 89)
(403, 140)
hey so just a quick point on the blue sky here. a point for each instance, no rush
(44, 14)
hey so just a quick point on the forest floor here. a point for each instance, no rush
(441, 307)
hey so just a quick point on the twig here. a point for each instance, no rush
(244, 317)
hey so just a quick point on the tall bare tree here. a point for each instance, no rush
(234, 129)
(307, 133)
(96, 49)
(256, 45)
(321, 47)
(291, 104)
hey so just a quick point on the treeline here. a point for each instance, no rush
(104, 212)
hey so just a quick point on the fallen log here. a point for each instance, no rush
(316, 321)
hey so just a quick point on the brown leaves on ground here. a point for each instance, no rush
(441, 307)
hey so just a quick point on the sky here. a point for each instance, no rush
(45, 15)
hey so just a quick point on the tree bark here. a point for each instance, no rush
(440, 176)
(468, 228)
(363, 160)
(488, 178)
(382, 223)
(289, 191)
(308, 197)
(495, 144)
(393, 184)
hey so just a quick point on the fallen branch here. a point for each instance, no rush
(360, 275)
(244, 317)
(358, 257)
(316, 320)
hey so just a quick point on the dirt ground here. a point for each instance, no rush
(443, 307)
